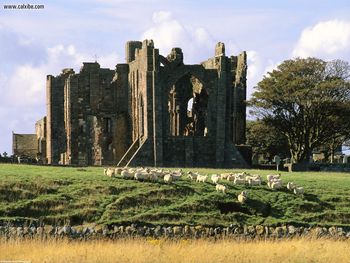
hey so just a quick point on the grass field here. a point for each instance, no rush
(85, 195)
(153, 251)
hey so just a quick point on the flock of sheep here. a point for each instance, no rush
(153, 175)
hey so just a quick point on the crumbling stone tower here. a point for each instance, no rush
(186, 115)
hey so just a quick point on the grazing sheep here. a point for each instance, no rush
(141, 176)
(253, 177)
(192, 176)
(168, 178)
(291, 186)
(176, 176)
(270, 177)
(104, 171)
(299, 190)
(231, 178)
(224, 176)
(240, 175)
(254, 181)
(118, 170)
(275, 185)
(127, 174)
(159, 173)
(153, 177)
(215, 178)
(220, 187)
(239, 180)
(178, 171)
(110, 172)
(202, 178)
(242, 197)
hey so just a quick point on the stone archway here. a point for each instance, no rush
(185, 121)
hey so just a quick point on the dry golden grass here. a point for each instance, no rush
(142, 250)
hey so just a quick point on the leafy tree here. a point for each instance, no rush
(266, 140)
(306, 100)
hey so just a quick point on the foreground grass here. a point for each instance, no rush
(58, 195)
(141, 250)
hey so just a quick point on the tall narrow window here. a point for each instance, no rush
(188, 106)
(108, 125)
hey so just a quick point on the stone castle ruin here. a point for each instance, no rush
(151, 111)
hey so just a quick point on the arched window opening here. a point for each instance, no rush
(187, 105)
(110, 147)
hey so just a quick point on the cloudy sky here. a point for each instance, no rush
(35, 43)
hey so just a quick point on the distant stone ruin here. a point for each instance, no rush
(151, 111)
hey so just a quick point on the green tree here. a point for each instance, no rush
(266, 141)
(306, 100)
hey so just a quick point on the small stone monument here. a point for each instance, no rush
(277, 160)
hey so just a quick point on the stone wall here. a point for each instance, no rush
(90, 116)
(40, 130)
(55, 125)
(115, 231)
(24, 145)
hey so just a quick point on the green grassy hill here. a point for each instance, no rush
(84, 195)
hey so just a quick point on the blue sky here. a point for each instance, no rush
(35, 43)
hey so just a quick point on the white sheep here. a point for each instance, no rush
(176, 176)
(110, 172)
(275, 185)
(239, 180)
(242, 197)
(153, 177)
(254, 176)
(299, 190)
(118, 170)
(168, 178)
(159, 173)
(202, 178)
(291, 186)
(220, 187)
(254, 181)
(104, 171)
(192, 176)
(231, 178)
(215, 178)
(240, 175)
(224, 176)
(141, 176)
(271, 177)
(127, 174)
(178, 171)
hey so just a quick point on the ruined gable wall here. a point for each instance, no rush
(90, 116)
(40, 131)
(55, 133)
(25, 145)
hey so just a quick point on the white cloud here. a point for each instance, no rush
(328, 40)
(168, 32)
(258, 66)
(26, 85)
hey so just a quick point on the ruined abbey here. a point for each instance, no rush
(151, 111)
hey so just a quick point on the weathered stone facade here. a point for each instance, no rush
(151, 111)
(165, 129)
(24, 145)
(40, 131)
(90, 126)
